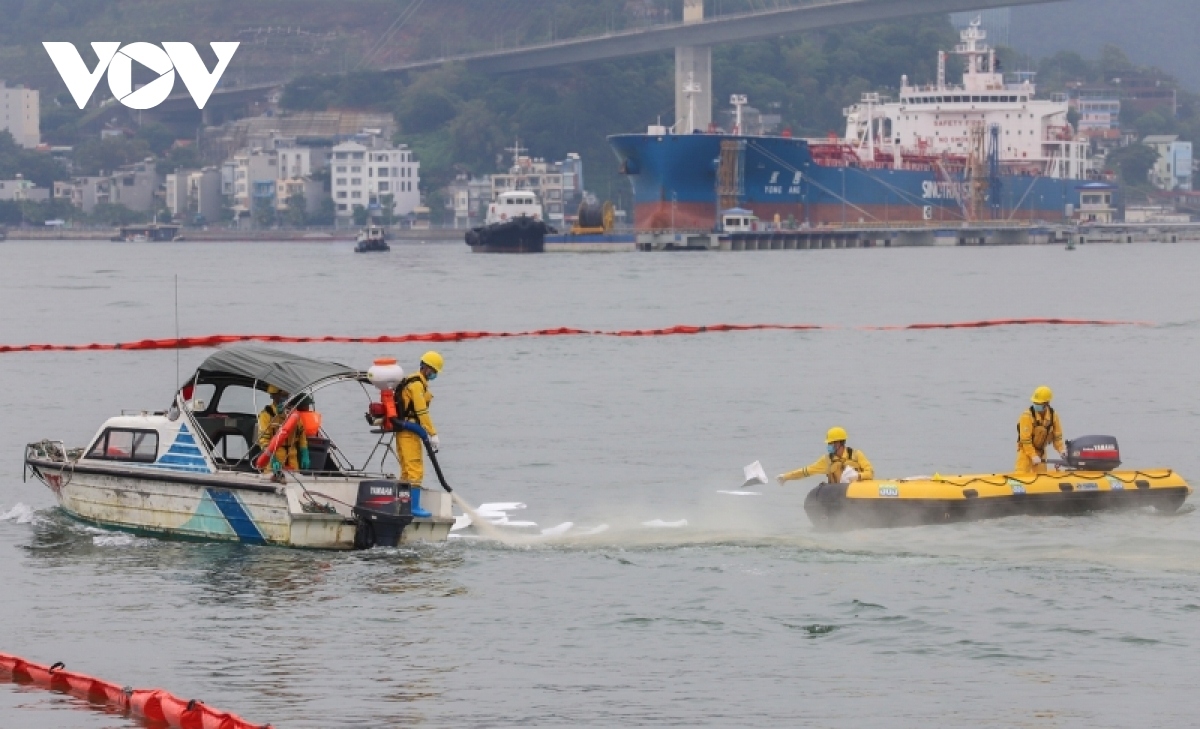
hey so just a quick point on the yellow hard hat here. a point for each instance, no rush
(271, 390)
(433, 360)
(1042, 395)
(835, 434)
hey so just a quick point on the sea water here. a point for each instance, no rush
(665, 602)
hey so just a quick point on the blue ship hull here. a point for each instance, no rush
(675, 185)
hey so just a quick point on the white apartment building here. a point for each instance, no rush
(363, 175)
(20, 114)
(192, 193)
(1173, 170)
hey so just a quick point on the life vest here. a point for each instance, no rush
(312, 422)
(846, 460)
(1042, 431)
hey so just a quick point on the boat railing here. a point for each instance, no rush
(55, 451)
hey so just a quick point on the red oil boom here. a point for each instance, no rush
(153, 705)
(217, 340)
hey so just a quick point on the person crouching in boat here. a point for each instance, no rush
(293, 452)
(413, 399)
(1038, 427)
(840, 464)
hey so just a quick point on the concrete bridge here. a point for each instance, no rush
(692, 40)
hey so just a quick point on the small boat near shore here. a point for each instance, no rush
(189, 472)
(1086, 480)
(372, 239)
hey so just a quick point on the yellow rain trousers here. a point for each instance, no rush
(832, 466)
(413, 402)
(288, 453)
(1035, 431)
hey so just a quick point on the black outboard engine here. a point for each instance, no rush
(1093, 453)
(383, 510)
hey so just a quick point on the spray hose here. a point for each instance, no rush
(416, 429)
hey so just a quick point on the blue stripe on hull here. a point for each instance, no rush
(235, 513)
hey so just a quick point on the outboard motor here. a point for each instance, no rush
(1093, 453)
(383, 510)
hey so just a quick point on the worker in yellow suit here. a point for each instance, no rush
(840, 464)
(412, 401)
(292, 453)
(1038, 427)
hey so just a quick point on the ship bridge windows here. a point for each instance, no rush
(125, 444)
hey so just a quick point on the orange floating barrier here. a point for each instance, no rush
(154, 705)
(216, 340)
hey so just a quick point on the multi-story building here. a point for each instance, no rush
(194, 195)
(85, 193)
(468, 198)
(558, 184)
(1173, 170)
(21, 189)
(136, 186)
(256, 167)
(311, 190)
(1099, 111)
(20, 114)
(366, 173)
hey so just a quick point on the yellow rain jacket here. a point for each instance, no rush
(1035, 431)
(832, 466)
(288, 452)
(413, 402)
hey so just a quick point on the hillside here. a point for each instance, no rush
(1158, 33)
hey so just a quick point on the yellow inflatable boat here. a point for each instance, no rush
(1086, 480)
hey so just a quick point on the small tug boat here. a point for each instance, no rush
(1087, 480)
(372, 239)
(514, 225)
(194, 470)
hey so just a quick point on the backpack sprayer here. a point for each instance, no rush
(387, 376)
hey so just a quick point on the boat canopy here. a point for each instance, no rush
(289, 372)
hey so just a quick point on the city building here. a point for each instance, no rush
(468, 198)
(559, 185)
(21, 189)
(20, 114)
(251, 174)
(85, 193)
(311, 190)
(136, 186)
(369, 173)
(1173, 170)
(194, 196)
(1099, 111)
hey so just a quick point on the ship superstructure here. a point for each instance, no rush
(941, 153)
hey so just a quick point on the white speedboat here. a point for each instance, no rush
(190, 472)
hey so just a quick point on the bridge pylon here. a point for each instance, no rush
(693, 68)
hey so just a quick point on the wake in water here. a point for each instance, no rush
(20, 514)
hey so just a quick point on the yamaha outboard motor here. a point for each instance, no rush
(383, 510)
(1093, 453)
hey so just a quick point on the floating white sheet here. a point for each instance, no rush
(754, 474)
(741, 493)
(660, 524)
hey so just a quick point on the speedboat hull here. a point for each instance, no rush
(236, 507)
(942, 500)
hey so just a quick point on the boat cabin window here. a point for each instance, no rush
(241, 399)
(119, 444)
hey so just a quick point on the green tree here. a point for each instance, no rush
(264, 214)
(387, 205)
(105, 155)
(326, 215)
(1133, 163)
(360, 215)
(38, 167)
(295, 215)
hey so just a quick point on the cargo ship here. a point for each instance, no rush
(939, 154)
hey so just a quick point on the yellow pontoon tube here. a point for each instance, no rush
(1086, 481)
